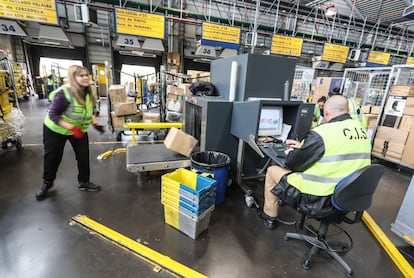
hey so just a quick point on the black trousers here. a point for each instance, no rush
(54, 144)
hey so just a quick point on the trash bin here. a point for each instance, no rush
(216, 163)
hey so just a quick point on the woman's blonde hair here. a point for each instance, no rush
(77, 91)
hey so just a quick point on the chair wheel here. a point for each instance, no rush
(249, 200)
(306, 265)
(285, 238)
(349, 275)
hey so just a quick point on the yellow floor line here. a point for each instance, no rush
(137, 247)
(388, 246)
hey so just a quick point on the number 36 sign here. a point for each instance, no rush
(10, 27)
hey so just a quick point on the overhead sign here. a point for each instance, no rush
(220, 35)
(335, 53)
(128, 41)
(286, 45)
(381, 58)
(43, 11)
(10, 27)
(140, 24)
(410, 60)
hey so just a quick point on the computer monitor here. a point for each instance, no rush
(270, 121)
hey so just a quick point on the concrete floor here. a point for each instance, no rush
(36, 239)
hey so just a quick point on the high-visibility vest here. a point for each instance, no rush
(347, 149)
(317, 116)
(75, 114)
(353, 112)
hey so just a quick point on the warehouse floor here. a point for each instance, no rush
(38, 239)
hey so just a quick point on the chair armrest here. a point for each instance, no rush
(357, 217)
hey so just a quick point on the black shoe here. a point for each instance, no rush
(42, 193)
(269, 222)
(88, 186)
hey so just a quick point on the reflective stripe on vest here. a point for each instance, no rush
(347, 149)
(75, 114)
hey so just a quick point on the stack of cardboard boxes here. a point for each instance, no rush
(122, 108)
(371, 114)
(175, 101)
(395, 135)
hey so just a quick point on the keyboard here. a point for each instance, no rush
(276, 149)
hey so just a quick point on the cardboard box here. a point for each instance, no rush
(149, 117)
(391, 121)
(173, 97)
(117, 122)
(174, 105)
(371, 120)
(375, 109)
(126, 108)
(117, 94)
(395, 105)
(175, 90)
(407, 122)
(408, 154)
(180, 142)
(186, 88)
(409, 106)
(402, 91)
(390, 142)
(366, 109)
(173, 58)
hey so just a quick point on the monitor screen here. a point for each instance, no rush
(271, 121)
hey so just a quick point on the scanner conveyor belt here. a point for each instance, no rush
(152, 157)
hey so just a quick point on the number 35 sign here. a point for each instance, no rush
(10, 27)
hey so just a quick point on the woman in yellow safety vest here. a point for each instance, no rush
(69, 117)
(318, 113)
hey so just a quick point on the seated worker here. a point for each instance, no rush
(354, 109)
(318, 113)
(328, 153)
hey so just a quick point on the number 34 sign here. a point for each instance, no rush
(10, 27)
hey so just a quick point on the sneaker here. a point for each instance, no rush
(88, 186)
(42, 193)
(269, 222)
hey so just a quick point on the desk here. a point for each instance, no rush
(280, 161)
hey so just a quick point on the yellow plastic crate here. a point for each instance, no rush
(6, 109)
(180, 176)
(4, 100)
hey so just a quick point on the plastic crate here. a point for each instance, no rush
(187, 182)
(187, 223)
(182, 202)
(182, 196)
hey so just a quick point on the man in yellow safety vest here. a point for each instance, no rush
(328, 153)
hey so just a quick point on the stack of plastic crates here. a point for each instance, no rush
(188, 200)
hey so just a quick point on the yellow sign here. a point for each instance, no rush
(379, 57)
(335, 53)
(286, 45)
(43, 11)
(221, 33)
(410, 60)
(140, 24)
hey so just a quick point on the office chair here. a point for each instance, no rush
(352, 194)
